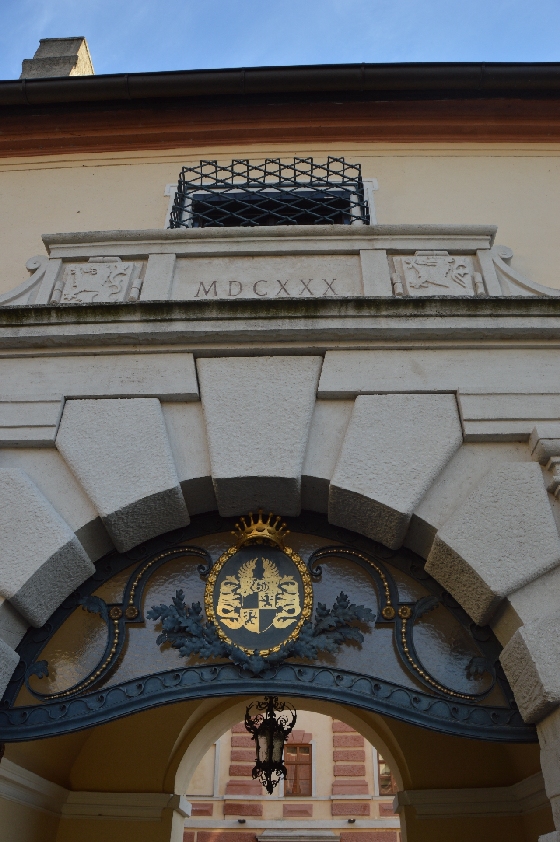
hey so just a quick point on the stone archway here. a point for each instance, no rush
(394, 467)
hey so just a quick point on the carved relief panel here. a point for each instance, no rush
(100, 280)
(435, 272)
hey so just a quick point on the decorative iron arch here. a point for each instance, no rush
(413, 653)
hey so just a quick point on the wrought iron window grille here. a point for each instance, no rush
(271, 192)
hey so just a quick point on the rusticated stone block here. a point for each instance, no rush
(8, 662)
(297, 810)
(386, 808)
(499, 539)
(351, 808)
(188, 836)
(238, 771)
(357, 755)
(229, 836)
(531, 661)
(341, 726)
(41, 561)
(202, 808)
(394, 448)
(243, 755)
(119, 451)
(366, 836)
(242, 741)
(350, 787)
(349, 770)
(243, 808)
(257, 446)
(299, 737)
(348, 740)
(246, 787)
(239, 728)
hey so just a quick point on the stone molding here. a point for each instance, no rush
(166, 376)
(31, 423)
(31, 790)
(520, 799)
(24, 787)
(206, 326)
(300, 836)
(489, 416)
(290, 824)
(411, 261)
(498, 382)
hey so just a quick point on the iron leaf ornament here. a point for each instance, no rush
(186, 629)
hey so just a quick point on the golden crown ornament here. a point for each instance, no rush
(258, 531)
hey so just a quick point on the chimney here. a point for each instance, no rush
(58, 57)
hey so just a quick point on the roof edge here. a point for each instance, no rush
(461, 79)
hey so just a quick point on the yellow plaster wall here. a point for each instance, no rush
(20, 823)
(515, 187)
(202, 782)
(114, 830)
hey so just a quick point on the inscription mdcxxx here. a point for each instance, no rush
(264, 288)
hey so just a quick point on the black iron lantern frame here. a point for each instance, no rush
(271, 726)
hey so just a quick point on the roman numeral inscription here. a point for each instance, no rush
(271, 277)
(264, 288)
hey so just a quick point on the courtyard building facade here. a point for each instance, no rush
(279, 420)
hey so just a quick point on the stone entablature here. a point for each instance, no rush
(292, 262)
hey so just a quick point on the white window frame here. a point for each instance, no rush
(375, 759)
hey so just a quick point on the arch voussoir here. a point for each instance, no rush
(41, 563)
(119, 451)
(258, 412)
(394, 448)
(500, 538)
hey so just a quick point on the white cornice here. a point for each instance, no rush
(123, 805)
(521, 798)
(24, 787)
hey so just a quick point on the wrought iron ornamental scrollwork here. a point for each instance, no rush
(409, 651)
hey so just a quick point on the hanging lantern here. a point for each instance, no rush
(270, 728)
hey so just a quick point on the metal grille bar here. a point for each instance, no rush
(271, 192)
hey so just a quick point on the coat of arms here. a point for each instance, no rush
(258, 603)
(259, 598)
(259, 592)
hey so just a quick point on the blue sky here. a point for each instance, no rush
(148, 35)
